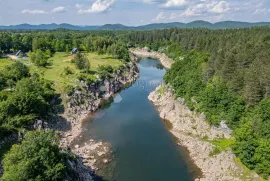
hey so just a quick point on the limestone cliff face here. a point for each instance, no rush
(82, 102)
(144, 52)
(193, 132)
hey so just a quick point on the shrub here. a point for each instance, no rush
(38, 157)
(67, 71)
(40, 58)
(81, 62)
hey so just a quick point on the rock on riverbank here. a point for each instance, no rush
(193, 131)
(144, 52)
(82, 102)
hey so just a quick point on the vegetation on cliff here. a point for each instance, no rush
(30, 90)
(37, 157)
(225, 75)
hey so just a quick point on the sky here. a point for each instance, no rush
(130, 12)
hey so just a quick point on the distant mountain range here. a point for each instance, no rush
(194, 24)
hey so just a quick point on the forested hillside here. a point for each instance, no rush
(154, 26)
(224, 74)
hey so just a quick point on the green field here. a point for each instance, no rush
(5, 62)
(54, 72)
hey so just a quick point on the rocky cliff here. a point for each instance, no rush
(84, 101)
(193, 132)
(89, 99)
(145, 52)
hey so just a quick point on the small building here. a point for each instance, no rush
(74, 51)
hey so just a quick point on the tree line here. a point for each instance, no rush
(224, 74)
(63, 41)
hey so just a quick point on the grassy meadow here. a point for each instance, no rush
(54, 72)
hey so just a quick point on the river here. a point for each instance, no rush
(144, 149)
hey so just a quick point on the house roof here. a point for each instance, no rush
(74, 50)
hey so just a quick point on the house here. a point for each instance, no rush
(74, 51)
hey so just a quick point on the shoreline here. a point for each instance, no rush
(92, 154)
(162, 57)
(194, 133)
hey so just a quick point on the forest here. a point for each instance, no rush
(224, 74)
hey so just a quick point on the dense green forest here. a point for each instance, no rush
(224, 74)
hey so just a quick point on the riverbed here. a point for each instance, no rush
(143, 148)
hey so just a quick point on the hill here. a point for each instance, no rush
(194, 24)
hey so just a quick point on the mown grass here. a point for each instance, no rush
(96, 60)
(55, 71)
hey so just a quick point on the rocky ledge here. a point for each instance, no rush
(84, 101)
(145, 52)
(194, 133)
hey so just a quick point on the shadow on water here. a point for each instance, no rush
(99, 178)
(192, 168)
(144, 148)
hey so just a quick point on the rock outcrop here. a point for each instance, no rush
(193, 132)
(84, 101)
(81, 102)
(145, 52)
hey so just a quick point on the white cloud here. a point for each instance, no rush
(221, 7)
(174, 3)
(59, 9)
(79, 6)
(36, 11)
(203, 9)
(98, 7)
(160, 17)
(263, 11)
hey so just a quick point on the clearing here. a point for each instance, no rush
(54, 72)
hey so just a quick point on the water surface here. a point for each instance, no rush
(144, 148)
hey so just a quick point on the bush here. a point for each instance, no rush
(216, 150)
(40, 58)
(86, 78)
(16, 71)
(81, 62)
(29, 101)
(105, 71)
(69, 90)
(38, 157)
(67, 71)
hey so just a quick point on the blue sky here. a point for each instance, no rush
(130, 12)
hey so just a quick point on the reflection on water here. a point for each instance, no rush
(144, 150)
